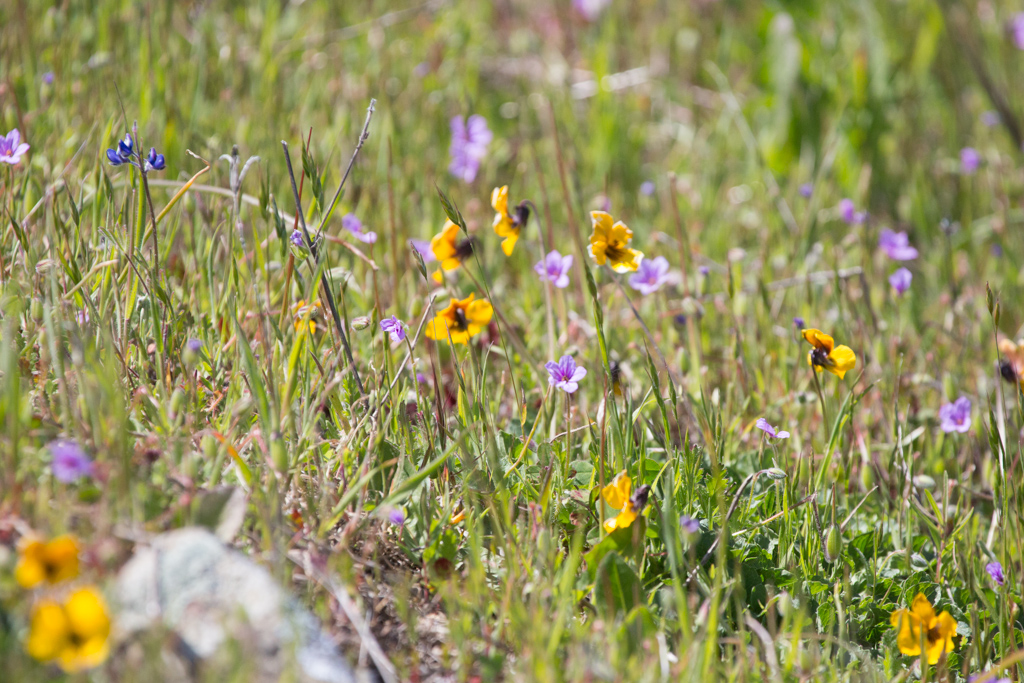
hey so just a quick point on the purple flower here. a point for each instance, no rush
(124, 152)
(12, 148)
(689, 525)
(703, 270)
(896, 245)
(1017, 29)
(423, 247)
(590, 9)
(647, 188)
(763, 425)
(969, 160)
(48, 78)
(565, 374)
(995, 570)
(554, 268)
(297, 239)
(974, 677)
(396, 516)
(990, 118)
(355, 226)
(798, 323)
(394, 327)
(470, 139)
(848, 212)
(956, 416)
(82, 317)
(69, 462)
(650, 276)
(155, 162)
(194, 345)
(805, 190)
(900, 280)
(996, 250)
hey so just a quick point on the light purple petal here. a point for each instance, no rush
(579, 374)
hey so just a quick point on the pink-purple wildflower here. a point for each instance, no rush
(590, 9)
(896, 245)
(424, 250)
(12, 148)
(806, 190)
(352, 223)
(650, 276)
(554, 268)
(956, 416)
(969, 160)
(689, 525)
(470, 139)
(565, 374)
(995, 570)
(900, 280)
(848, 212)
(394, 327)
(771, 431)
(1017, 30)
(69, 462)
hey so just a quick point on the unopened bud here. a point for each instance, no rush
(833, 543)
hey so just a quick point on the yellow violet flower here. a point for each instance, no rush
(448, 249)
(52, 562)
(610, 243)
(74, 634)
(617, 496)
(827, 356)
(461, 320)
(508, 225)
(919, 626)
(300, 309)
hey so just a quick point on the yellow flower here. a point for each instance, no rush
(74, 633)
(301, 310)
(611, 243)
(617, 496)
(919, 626)
(505, 224)
(461, 320)
(1012, 367)
(53, 562)
(826, 356)
(449, 250)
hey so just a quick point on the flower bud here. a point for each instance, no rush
(833, 543)
(361, 323)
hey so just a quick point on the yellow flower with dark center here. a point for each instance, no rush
(52, 562)
(1012, 365)
(300, 309)
(448, 249)
(74, 634)
(505, 224)
(919, 627)
(609, 243)
(620, 496)
(827, 356)
(461, 320)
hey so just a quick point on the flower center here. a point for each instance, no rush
(819, 357)
(461, 324)
(616, 251)
(464, 248)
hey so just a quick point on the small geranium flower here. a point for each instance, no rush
(650, 276)
(848, 212)
(396, 516)
(73, 634)
(12, 148)
(394, 327)
(461, 320)
(352, 223)
(617, 496)
(69, 463)
(470, 139)
(956, 416)
(896, 245)
(765, 427)
(554, 268)
(565, 374)
(505, 224)
(920, 626)
(826, 356)
(609, 243)
(900, 280)
(969, 160)
(995, 570)
(51, 561)
(448, 249)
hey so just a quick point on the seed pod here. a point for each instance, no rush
(177, 402)
(360, 323)
(833, 543)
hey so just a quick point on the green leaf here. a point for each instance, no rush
(617, 589)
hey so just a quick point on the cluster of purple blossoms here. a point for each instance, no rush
(12, 148)
(896, 245)
(352, 223)
(565, 374)
(125, 153)
(956, 416)
(470, 139)
(69, 462)
(394, 327)
(650, 275)
(848, 212)
(768, 429)
(554, 268)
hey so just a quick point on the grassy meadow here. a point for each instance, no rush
(172, 328)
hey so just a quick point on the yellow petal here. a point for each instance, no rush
(509, 243)
(438, 327)
(499, 199)
(601, 223)
(630, 263)
(843, 360)
(437, 276)
(49, 631)
(617, 493)
(945, 628)
(818, 339)
(87, 614)
(922, 609)
(61, 555)
(908, 632)
(480, 312)
(620, 233)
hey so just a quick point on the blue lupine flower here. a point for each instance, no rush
(155, 161)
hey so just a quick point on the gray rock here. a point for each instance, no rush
(210, 596)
